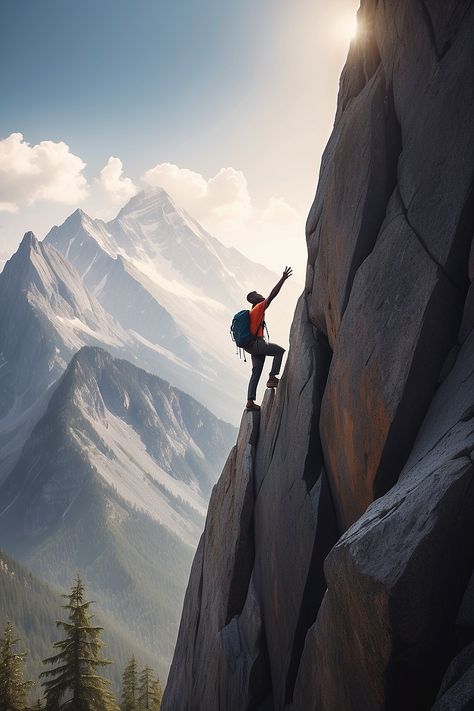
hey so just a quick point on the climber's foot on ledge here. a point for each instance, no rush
(273, 381)
(251, 406)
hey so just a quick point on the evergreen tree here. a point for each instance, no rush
(130, 687)
(150, 692)
(13, 687)
(74, 683)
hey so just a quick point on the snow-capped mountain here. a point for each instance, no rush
(47, 314)
(156, 447)
(162, 276)
(105, 468)
(86, 244)
(113, 483)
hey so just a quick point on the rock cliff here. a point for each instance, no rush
(336, 568)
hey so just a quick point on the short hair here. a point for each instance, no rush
(249, 295)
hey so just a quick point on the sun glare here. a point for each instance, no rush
(346, 26)
(350, 26)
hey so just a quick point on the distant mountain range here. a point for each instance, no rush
(113, 482)
(106, 463)
(150, 286)
(174, 288)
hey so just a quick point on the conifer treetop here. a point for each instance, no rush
(74, 683)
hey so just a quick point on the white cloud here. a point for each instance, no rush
(223, 199)
(47, 171)
(112, 180)
(278, 211)
(272, 234)
(190, 186)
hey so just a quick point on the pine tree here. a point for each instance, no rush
(130, 687)
(150, 692)
(74, 684)
(13, 687)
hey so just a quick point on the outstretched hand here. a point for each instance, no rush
(276, 289)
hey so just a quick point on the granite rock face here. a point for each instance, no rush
(221, 613)
(341, 577)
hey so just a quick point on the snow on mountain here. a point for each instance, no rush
(154, 446)
(87, 245)
(197, 275)
(46, 315)
(162, 276)
(113, 483)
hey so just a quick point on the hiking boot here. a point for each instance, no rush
(273, 381)
(252, 407)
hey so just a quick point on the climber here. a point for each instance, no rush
(259, 348)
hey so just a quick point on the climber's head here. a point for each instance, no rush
(255, 298)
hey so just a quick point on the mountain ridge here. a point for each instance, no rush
(164, 428)
(113, 483)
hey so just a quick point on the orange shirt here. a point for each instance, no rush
(257, 314)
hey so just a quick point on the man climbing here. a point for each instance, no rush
(258, 348)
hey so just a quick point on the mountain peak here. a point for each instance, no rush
(28, 246)
(147, 200)
(28, 242)
(79, 216)
(91, 356)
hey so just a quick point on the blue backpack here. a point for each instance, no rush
(240, 329)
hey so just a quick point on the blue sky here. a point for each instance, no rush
(203, 85)
(97, 71)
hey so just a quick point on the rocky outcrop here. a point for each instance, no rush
(356, 587)
(221, 628)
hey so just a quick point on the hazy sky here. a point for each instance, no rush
(226, 103)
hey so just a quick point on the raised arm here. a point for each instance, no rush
(276, 289)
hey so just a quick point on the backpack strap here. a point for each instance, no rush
(262, 323)
(266, 329)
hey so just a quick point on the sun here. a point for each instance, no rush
(347, 26)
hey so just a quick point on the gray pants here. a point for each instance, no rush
(258, 349)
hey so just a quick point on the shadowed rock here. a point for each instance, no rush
(347, 213)
(457, 689)
(400, 322)
(294, 522)
(386, 629)
(371, 431)
(218, 590)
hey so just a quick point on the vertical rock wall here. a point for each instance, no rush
(336, 569)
